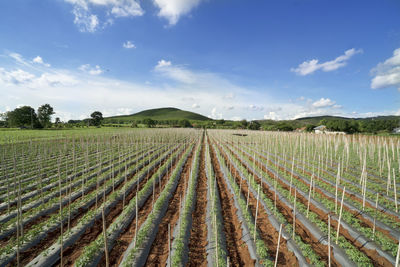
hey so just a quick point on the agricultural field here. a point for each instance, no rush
(191, 197)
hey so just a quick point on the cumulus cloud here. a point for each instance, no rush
(172, 10)
(308, 67)
(323, 103)
(387, 74)
(195, 105)
(96, 70)
(39, 60)
(128, 45)
(87, 21)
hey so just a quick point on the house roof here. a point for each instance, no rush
(321, 127)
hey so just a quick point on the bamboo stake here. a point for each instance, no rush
(309, 196)
(255, 220)
(395, 191)
(376, 207)
(169, 244)
(340, 216)
(105, 237)
(277, 249)
(329, 240)
(398, 255)
(294, 213)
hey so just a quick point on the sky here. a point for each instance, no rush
(230, 59)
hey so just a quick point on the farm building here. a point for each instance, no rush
(396, 130)
(320, 129)
(323, 130)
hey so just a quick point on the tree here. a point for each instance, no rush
(149, 122)
(185, 124)
(97, 117)
(23, 117)
(310, 128)
(254, 125)
(44, 115)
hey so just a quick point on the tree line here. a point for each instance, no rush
(26, 117)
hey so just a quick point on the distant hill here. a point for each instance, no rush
(159, 114)
(317, 119)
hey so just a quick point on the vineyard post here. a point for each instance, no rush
(340, 216)
(277, 248)
(255, 220)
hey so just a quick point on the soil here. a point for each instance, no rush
(268, 233)
(159, 253)
(72, 253)
(122, 243)
(307, 237)
(236, 248)
(198, 236)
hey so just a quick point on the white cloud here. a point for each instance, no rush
(215, 115)
(89, 22)
(174, 72)
(85, 21)
(172, 10)
(255, 107)
(92, 71)
(195, 105)
(39, 60)
(128, 45)
(308, 67)
(16, 76)
(323, 103)
(387, 74)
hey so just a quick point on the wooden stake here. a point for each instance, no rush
(340, 216)
(329, 240)
(309, 196)
(105, 237)
(277, 249)
(255, 220)
(398, 255)
(294, 213)
(395, 191)
(376, 207)
(169, 245)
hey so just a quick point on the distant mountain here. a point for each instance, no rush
(159, 114)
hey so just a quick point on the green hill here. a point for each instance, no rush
(158, 114)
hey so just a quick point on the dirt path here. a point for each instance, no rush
(198, 236)
(237, 249)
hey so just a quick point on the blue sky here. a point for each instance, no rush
(231, 59)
